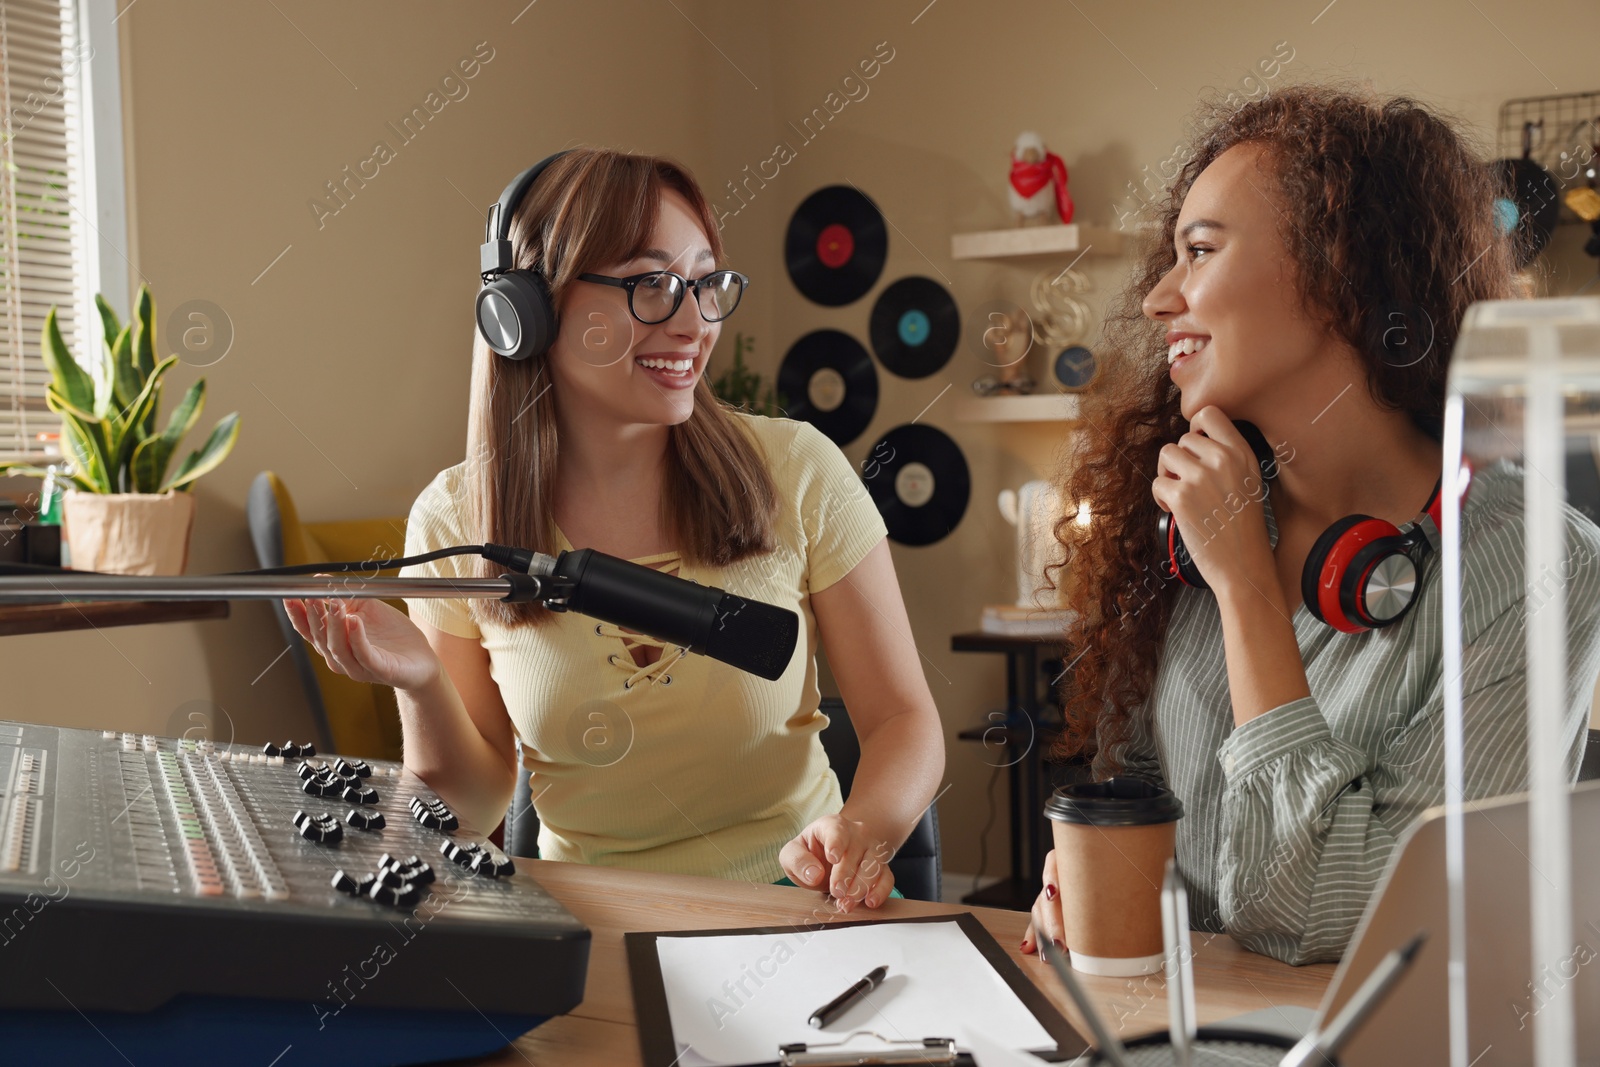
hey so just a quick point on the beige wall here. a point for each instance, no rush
(350, 363)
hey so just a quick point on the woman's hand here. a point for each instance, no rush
(366, 639)
(1210, 480)
(844, 858)
(1046, 920)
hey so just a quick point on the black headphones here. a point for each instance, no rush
(1361, 574)
(515, 314)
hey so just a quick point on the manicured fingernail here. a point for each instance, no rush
(1049, 891)
(809, 874)
(1023, 944)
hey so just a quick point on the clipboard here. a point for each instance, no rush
(658, 1047)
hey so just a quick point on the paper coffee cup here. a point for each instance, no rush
(1113, 840)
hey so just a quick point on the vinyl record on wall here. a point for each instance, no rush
(914, 327)
(919, 480)
(836, 245)
(827, 379)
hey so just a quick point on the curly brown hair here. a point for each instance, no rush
(1389, 215)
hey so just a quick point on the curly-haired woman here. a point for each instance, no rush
(1316, 256)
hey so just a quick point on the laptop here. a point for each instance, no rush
(1411, 1027)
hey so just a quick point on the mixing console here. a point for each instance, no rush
(151, 880)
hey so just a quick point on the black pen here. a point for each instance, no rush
(835, 1007)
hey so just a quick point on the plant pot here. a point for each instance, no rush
(129, 533)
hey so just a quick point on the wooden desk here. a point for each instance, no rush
(600, 1031)
(55, 617)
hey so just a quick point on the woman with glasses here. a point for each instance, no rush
(639, 755)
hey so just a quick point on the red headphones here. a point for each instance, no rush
(1361, 574)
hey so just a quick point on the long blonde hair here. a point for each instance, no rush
(590, 208)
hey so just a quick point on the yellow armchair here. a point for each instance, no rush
(353, 718)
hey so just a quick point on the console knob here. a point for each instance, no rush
(360, 794)
(403, 895)
(323, 828)
(434, 814)
(492, 865)
(365, 820)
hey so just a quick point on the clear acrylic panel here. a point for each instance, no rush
(1522, 412)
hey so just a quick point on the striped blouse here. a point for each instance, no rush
(1290, 819)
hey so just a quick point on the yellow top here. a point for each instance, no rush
(687, 765)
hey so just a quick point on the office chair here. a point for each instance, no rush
(352, 718)
(1583, 474)
(1583, 493)
(915, 866)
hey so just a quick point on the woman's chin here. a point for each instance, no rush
(668, 411)
(1196, 397)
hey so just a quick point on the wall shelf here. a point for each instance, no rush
(1035, 242)
(1037, 407)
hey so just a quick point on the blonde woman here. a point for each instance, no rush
(640, 756)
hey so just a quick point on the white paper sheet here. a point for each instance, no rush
(733, 999)
(989, 1051)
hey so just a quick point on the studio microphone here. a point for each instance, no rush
(747, 634)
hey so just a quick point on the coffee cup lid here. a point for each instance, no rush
(1122, 801)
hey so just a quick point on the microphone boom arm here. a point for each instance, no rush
(753, 636)
(511, 587)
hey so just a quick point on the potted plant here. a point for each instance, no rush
(124, 513)
(741, 387)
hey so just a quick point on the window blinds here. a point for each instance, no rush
(42, 213)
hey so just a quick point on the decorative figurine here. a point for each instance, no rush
(1038, 181)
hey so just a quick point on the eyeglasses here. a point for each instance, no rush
(655, 296)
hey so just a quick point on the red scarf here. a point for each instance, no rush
(1029, 178)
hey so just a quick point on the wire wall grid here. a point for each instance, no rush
(1565, 138)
